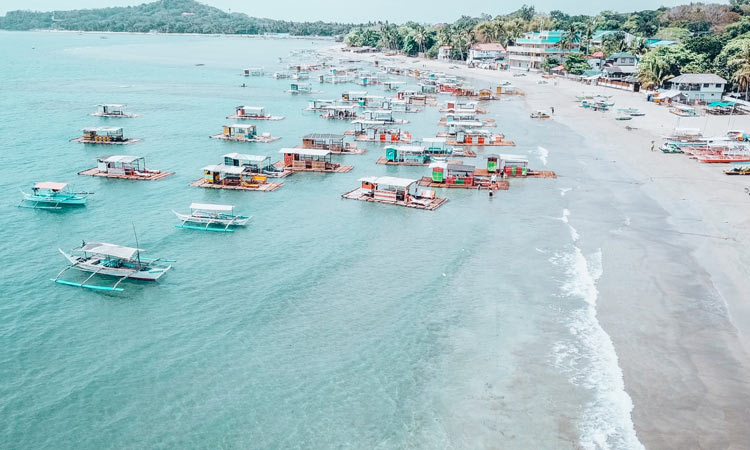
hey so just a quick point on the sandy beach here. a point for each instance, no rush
(679, 317)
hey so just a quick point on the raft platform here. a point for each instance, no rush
(88, 141)
(364, 138)
(291, 170)
(502, 185)
(262, 139)
(265, 187)
(529, 174)
(484, 144)
(428, 204)
(95, 172)
(238, 117)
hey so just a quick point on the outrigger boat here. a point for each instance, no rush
(99, 258)
(112, 110)
(739, 168)
(253, 113)
(52, 195)
(253, 72)
(210, 217)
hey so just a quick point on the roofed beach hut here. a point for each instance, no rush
(310, 160)
(395, 191)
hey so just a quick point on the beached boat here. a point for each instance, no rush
(540, 115)
(333, 142)
(210, 217)
(253, 113)
(52, 195)
(395, 191)
(128, 167)
(310, 160)
(99, 258)
(670, 148)
(112, 110)
(739, 168)
(244, 133)
(104, 135)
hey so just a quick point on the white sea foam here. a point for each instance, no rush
(543, 154)
(564, 191)
(589, 358)
(573, 232)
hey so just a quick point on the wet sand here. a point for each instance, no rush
(673, 294)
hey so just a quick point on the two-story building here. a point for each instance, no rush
(530, 51)
(444, 53)
(485, 53)
(702, 87)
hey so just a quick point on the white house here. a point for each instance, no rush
(444, 53)
(598, 37)
(490, 52)
(530, 51)
(703, 87)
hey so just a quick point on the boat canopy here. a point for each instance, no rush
(305, 151)
(241, 126)
(111, 105)
(111, 250)
(223, 168)
(252, 108)
(102, 130)
(244, 157)
(51, 185)
(126, 159)
(319, 136)
(434, 140)
(211, 207)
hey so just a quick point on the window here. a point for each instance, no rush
(705, 85)
(719, 85)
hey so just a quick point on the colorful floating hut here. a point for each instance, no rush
(405, 155)
(339, 112)
(310, 160)
(252, 113)
(127, 167)
(395, 191)
(104, 135)
(244, 133)
(333, 142)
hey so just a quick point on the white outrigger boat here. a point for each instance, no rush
(112, 260)
(209, 217)
(52, 195)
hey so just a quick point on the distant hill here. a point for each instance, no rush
(165, 16)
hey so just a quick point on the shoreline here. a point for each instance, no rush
(685, 371)
(159, 33)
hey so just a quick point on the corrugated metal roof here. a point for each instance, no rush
(697, 78)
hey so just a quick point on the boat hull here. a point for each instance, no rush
(94, 264)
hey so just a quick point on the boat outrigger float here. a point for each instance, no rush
(209, 217)
(99, 258)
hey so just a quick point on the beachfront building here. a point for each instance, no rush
(620, 70)
(598, 37)
(700, 87)
(444, 53)
(486, 53)
(530, 51)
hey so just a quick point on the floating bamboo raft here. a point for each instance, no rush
(351, 151)
(364, 138)
(466, 154)
(262, 139)
(484, 144)
(237, 116)
(529, 174)
(428, 204)
(339, 169)
(501, 185)
(94, 172)
(383, 160)
(264, 187)
(103, 142)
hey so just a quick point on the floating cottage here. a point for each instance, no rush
(354, 97)
(319, 104)
(241, 172)
(415, 98)
(127, 167)
(302, 88)
(104, 135)
(395, 191)
(52, 195)
(253, 72)
(112, 110)
(437, 147)
(333, 142)
(459, 107)
(210, 217)
(402, 106)
(477, 137)
(511, 166)
(382, 115)
(405, 155)
(393, 85)
(461, 117)
(339, 112)
(253, 113)
(244, 133)
(378, 132)
(310, 160)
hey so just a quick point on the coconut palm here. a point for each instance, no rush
(652, 72)
(742, 75)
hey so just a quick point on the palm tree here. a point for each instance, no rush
(638, 47)
(420, 36)
(742, 75)
(572, 34)
(653, 72)
(485, 31)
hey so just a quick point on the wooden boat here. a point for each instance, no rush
(624, 118)
(104, 135)
(127, 167)
(210, 217)
(309, 160)
(395, 191)
(244, 133)
(112, 110)
(99, 258)
(253, 113)
(333, 142)
(739, 168)
(52, 195)
(670, 148)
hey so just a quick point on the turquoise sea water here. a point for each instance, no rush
(327, 323)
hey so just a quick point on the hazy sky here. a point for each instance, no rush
(355, 11)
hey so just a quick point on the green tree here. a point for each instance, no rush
(576, 64)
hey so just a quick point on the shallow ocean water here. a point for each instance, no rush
(327, 322)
